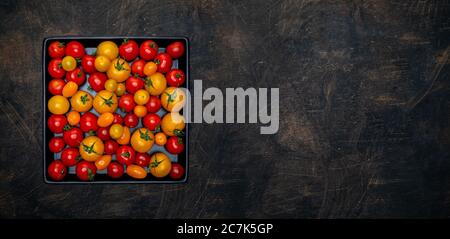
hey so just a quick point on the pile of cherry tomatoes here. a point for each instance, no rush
(128, 84)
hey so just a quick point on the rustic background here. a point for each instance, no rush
(364, 109)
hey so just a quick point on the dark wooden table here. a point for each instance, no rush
(364, 109)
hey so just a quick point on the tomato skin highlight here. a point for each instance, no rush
(57, 170)
(115, 170)
(56, 49)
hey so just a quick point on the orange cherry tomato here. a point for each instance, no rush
(73, 117)
(120, 90)
(105, 119)
(150, 68)
(160, 138)
(125, 138)
(70, 89)
(103, 162)
(136, 172)
(140, 111)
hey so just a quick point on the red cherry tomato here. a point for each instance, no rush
(70, 156)
(97, 81)
(78, 76)
(151, 121)
(129, 50)
(103, 133)
(131, 120)
(56, 144)
(125, 155)
(137, 68)
(55, 86)
(148, 50)
(86, 171)
(175, 49)
(57, 171)
(175, 77)
(73, 137)
(56, 49)
(117, 119)
(163, 62)
(134, 84)
(88, 122)
(115, 170)
(56, 123)
(177, 171)
(87, 62)
(142, 159)
(55, 68)
(153, 105)
(126, 102)
(174, 145)
(75, 49)
(111, 147)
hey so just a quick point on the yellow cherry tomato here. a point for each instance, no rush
(140, 111)
(150, 68)
(91, 148)
(171, 123)
(73, 117)
(160, 165)
(108, 49)
(69, 89)
(103, 162)
(81, 101)
(119, 70)
(155, 84)
(102, 63)
(141, 97)
(136, 171)
(173, 99)
(69, 63)
(142, 140)
(160, 139)
(111, 85)
(105, 119)
(105, 101)
(125, 138)
(120, 89)
(116, 131)
(58, 105)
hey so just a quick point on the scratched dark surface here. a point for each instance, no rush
(364, 109)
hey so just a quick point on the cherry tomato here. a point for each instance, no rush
(142, 159)
(120, 89)
(115, 170)
(148, 50)
(70, 89)
(88, 122)
(131, 120)
(87, 62)
(175, 49)
(56, 49)
(69, 63)
(55, 86)
(86, 171)
(97, 81)
(75, 49)
(57, 171)
(151, 121)
(150, 68)
(56, 144)
(56, 123)
(136, 172)
(154, 104)
(58, 105)
(126, 103)
(129, 50)
(125, 155)
(103, 133)
(140, 111)
(137, 68)
(103, 162)
(164, 62)
(111, 147)
(70, 156)
(117, 119)
(177, 171)
(160, 139)
(78, 76)
(55, 68)
(73, 117)
(175, 77)
(174, 145)
(73, 136)
(134, 84)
